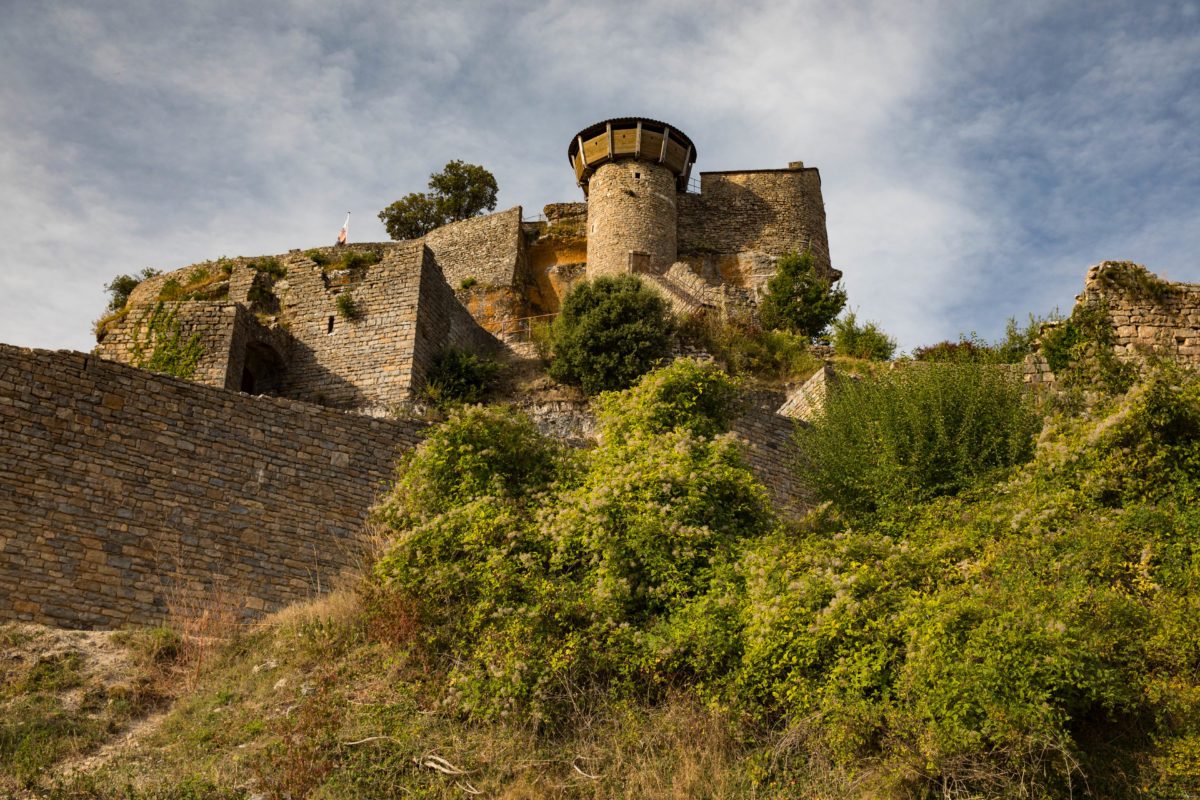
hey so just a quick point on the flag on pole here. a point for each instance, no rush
(345, 228)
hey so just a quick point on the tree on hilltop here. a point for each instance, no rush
(459, 191)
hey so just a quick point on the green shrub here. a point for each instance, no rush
(746, 348)
(120, 287)
(798, 299)
(617, 588)
(270, 266)
(684, 396)
(1080, 350)
(861, 341)
(477, 452)
(916, 433)
(171, 290)
(318, 257)
(467, 282)
(355, 260)
(610, 332)
(967, 350)
(347, 306)
(456, 376)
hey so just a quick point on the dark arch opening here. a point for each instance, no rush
(262, 369)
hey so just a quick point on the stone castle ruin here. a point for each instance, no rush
(245, 475)
(278, 324)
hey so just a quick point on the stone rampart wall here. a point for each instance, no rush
(212, 321)
(771, 451)
(124, 493)
(1150, 315)
(763, 212)
(488, 249)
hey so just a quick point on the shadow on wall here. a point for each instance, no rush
(317, 383)
(263, 370)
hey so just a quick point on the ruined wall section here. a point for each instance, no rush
(361, 362)
(742, 221)
(770, 442)
(487, 249)
(122, 491)
(442, 321)
(1150, 315)
(131, 340)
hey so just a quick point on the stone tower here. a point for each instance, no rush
(631, 170)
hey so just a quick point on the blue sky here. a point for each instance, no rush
(976, 158)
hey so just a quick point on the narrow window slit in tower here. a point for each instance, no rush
(330, 328)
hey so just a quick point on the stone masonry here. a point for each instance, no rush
(1150, 315)
(125, 493)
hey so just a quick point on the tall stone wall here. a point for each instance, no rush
(131, 340)
(631, 210)
(123, 493)
(743, 220)
(770, 440)
(1150, 315)
(488, 249)
(365, 361)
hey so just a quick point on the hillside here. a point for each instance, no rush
(634, 621)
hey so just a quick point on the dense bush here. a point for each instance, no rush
(744, 347)
(798, 299)
(867, 340)
(1018, 642)
(919, 432)
(617, 588)
(457, 376)
(610, 332)
(1080, 350)
(459, 191)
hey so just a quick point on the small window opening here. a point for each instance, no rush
(637, 175)
(330, 328)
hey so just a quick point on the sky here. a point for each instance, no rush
(975, 157)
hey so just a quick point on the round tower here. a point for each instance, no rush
(631, 170)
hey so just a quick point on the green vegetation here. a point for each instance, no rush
(52, 707)
(467, 282)
(799, 300)
(351, 259)
(459, 191)
(457, 376)
(609, 332)
(916, 433)
(270, 266)
(861, 340)
(120, 287)
(744, 348)
(966, 616)
(347, 306)
(1080, 350)
(160, 332)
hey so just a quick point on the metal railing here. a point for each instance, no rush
(521, 328)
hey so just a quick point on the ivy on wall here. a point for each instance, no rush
(159, 344)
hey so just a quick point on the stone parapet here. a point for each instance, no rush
(125, 493)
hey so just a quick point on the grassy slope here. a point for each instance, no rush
(335, 699)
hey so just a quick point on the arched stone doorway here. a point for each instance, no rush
(262, 369)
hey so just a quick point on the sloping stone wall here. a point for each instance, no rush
(489, 249)
(122, 491)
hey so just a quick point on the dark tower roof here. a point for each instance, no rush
(631, 137)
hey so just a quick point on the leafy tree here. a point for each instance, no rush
(798, 299)
(861, 341)
(610, 332)
(120, 287)
(459, 191)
